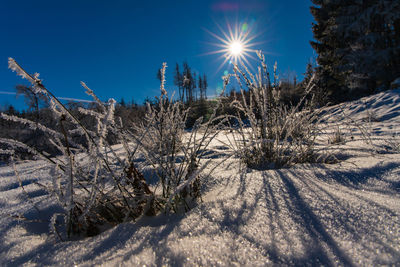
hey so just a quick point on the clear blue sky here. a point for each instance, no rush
(117, 46)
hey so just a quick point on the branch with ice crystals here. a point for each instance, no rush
(13, 65)
(91, 93)
(162, 86)
(33, 79)
(16, 144)
(194, 175)
(109, 117)
(54, 107)
(32, 125)
(89, 112)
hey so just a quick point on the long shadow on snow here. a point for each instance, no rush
(355, 222)
(313, 226)
(124, 232)
(356, 178)
(15, 185)
(38, 223)
(300, 211)
(117, 239)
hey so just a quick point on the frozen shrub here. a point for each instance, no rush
(337, 137)
(274, 134)
(95, 184)
(99, 185)
(175, 153)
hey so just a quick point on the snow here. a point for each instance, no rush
(310, 214)
(395, 84)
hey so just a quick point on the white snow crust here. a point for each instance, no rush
(340, 214)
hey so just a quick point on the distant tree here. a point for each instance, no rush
(289, 91)
(122, 102)
(200, 86)
(188, 82)
(32, 99)
(194, 87)
(11, 110)
(178, 81)
(203, 86)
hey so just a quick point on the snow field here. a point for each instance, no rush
(346, 213)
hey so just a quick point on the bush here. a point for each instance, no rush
(99, 185)
(337, 137)
(174, 153)
(272, 134)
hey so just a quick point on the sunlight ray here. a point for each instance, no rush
(215, 52)
(236, 44)
(218, 37)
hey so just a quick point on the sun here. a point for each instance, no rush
(235, 48)
(235, 44)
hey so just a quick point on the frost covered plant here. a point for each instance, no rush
(337, 137)
(99, 185)
(175, 153)
(393, 142)
(271, 134)
(95, 184)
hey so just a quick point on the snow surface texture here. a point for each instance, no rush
(311, 214)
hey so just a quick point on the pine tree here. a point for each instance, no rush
(205, 85)
(188, 82)
(375, 51)
(122, 103)
(200, 86)
(32, 99)
(178, 81)
(358, 49)
(327, 45)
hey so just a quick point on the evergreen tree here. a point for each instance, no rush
(178, 81)
(188, 82)
(200, 86)
(194, 87)
(122, 103)
(358, 49)
(11, 111)
(326, 45)
(32, 99)
(204, 88)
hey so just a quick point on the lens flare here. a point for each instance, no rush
(235, 44)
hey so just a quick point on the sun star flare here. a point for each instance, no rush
(235, 45)
(236, 48)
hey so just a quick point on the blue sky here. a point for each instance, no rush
(117, 46)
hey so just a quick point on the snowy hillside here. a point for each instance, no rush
(384, 107)
(346, 213)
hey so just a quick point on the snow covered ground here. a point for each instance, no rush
(346, 213)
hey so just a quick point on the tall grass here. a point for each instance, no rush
(270, 133)
(174, 153)
(99, 185)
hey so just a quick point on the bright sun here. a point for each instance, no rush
(235, 48)
(236, 44)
